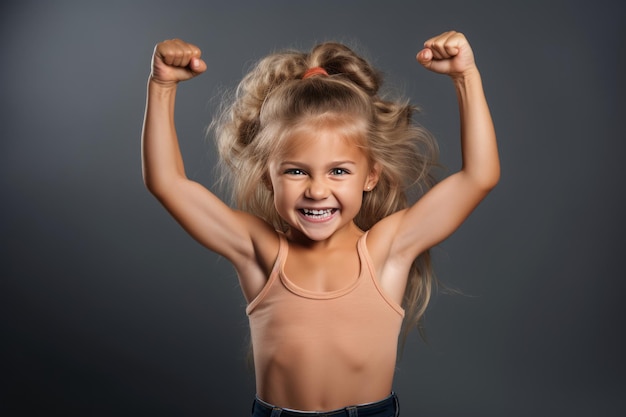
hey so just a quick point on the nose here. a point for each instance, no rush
(317, 189)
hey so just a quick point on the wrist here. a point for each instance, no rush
(469, 76)
(159, 90)
(159, 85)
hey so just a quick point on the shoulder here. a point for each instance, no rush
(255, 264)
(390, 262)
(264, 239)
(381, 237)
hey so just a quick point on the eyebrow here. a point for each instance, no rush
(332, 164)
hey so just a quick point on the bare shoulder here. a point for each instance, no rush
(380, 238)
(265, 239)
(254, 267)
(392, 265)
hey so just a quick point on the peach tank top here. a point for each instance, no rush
(320, 340)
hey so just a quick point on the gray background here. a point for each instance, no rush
(109, 309)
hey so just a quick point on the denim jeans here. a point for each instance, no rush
(388, 407)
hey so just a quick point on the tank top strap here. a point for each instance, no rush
(365, 260)
(372, 278)
(279, 263)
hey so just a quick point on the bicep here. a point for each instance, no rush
(247, 241)
(436, 215)
(207, 219)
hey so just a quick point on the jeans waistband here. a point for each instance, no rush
(387, 407)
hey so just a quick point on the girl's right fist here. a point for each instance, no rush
(175, 60)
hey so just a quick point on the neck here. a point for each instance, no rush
(347, 235)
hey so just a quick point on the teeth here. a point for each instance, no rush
(318, 213)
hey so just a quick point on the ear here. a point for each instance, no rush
(267, 181)
(372, 178)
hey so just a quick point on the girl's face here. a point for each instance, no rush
(318, 182)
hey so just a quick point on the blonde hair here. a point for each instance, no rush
(272, 100)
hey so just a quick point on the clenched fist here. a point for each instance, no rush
(175, 60)
(449, 53)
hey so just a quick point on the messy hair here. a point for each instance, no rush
(272, 100)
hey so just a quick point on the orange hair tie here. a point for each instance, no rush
(314, 71)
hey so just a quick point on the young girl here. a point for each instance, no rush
(327, 252)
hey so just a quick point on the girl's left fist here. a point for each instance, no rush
(449, 53)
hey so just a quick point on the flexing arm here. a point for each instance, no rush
(450, 53)
(172, 61)
(210, 221)
(442, 210)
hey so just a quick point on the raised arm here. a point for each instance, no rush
(451, 54)
(210, 221)
(442, 210)
(173, 61)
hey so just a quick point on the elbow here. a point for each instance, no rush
(159, 180)
(162, 187)
(488, 175)
(487, 180)
(149, 181)
(155, 186)
(492, 180)
(159, 191)
(150, 186)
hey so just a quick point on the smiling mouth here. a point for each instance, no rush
(318, 214)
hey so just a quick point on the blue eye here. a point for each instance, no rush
(294, 171)
(339, 171)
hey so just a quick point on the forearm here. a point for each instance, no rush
(478, 138)
(161, 157)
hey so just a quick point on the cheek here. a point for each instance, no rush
(351, 194)
(283, 193)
